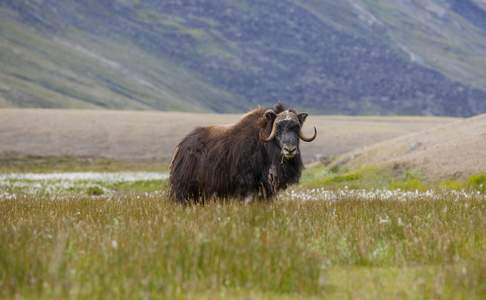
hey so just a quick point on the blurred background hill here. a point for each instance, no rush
(349, 57)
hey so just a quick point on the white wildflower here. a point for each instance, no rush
(384, 220)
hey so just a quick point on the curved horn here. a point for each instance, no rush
(306, 139)
(270, 114)
(272, 134)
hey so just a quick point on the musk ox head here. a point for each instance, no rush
(286, 131)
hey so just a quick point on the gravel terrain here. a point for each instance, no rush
(456, 149)
(145, 135)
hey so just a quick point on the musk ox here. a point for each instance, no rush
(258, 156)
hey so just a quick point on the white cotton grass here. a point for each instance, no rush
(7, 196)
(12, 184)
(378, 194)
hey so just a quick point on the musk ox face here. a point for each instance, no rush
(287, 131)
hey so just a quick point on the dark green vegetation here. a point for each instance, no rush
(388, 178)
(138, 246)
(474, 182)
(352, 57)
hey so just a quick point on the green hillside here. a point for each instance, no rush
(449, 36)
(78, 70)
(349, 57)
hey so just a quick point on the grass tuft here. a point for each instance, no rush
(477, 182)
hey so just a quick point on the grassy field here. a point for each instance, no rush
(136, 245)
(120, 237)
(111, 233)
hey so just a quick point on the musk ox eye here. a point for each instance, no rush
(293, 127)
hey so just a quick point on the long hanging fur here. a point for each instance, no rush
(231, 162)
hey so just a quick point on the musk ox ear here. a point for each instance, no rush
(302, 117)
(270, 115)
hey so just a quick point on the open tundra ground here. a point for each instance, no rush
(347, 231)
(142, 135)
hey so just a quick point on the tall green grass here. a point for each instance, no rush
(143, 246)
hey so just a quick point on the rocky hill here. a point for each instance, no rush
(350, 57)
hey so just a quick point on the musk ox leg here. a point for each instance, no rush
(184, 187)
(269, 184)
(244, 187)
(273, 180)
(263, 191)
(249, 199)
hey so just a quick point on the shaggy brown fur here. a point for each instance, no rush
(232, 161)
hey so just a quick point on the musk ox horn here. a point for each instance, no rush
(270, 115)
(307, 139)
(272, 134)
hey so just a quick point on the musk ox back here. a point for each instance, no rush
(256, 157)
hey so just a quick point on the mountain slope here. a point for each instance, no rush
(351, 57)
(449, 36)
(79, 70)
